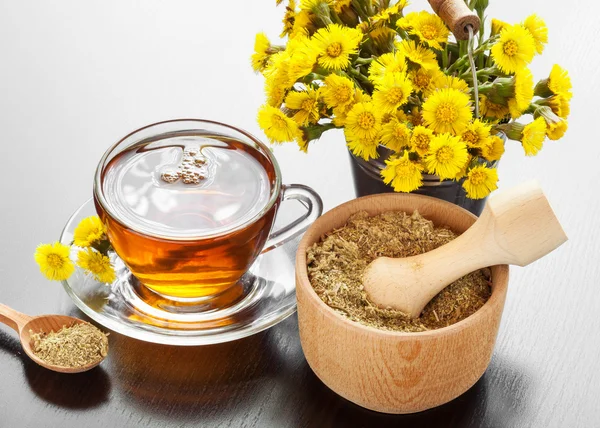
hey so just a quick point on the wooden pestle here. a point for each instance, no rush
(457, 16)
(516, 227)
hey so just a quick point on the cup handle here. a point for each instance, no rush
(314, 206)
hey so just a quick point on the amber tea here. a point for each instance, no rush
(188, 214)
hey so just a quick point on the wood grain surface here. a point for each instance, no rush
(392, 372)
(78, 75)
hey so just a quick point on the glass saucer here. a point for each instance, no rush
(264, 296)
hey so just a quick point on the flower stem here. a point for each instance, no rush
(484, 72)
(309, 78)
(369, 8)
(360, 78)
(334, 17)
(364, 61)
(102, 246)
(403, 34)
(473, 70)
(445, 56)
(314, 132)
(359, 10)
(464, 59)
(481, 56)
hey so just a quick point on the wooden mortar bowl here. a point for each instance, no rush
(387, 371)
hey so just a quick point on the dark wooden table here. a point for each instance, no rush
(76, 76)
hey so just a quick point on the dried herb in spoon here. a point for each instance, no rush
(76, 346)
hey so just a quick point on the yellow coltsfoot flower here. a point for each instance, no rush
(96, 264)
(447, 156)
(276, 125)
(559, 104)
(262, 52)
(420, 139)
(362, 122)
(498, 26)
(447, 110)
(514, 49)
(305, 23)
(54, 261)
(340, 5)
(364, 147)
(335, 44)
(523, 89)
(314, 5)
(533, 136)
(386, 14)
(480, 182)
(341, 112)
(415, 116)
(555, 126)
(515, 92)
(302, 142)
(277, 80)
(338, 91)
(429, 28)
(339, 116)
(403, 174)
(463, 171)
(443, 81)
(538, 29)
(261, 49)
(302, 58)
(556, 130)
(89, 231)
(417, 54)
(558, 83)
(395, 135)
(392, 92)
(289, 19)
(305, 105)
(492, 110)
(382, 37)
(424, 80)
(476, 134)
(387, 63)
(513, 108)
(493, 148)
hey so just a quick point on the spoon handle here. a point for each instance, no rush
(14, 319)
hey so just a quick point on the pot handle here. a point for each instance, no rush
(314, 208)
(457, 15)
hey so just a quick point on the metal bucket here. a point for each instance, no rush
(368, 181)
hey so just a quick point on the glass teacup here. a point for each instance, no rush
(189, 205)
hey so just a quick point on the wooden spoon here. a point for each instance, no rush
(23, 324)
(516, 227)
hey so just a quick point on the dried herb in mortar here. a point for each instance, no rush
(336, 265)
(76, 346)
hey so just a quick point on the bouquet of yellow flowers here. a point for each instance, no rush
(90, 250)
(400, 80)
